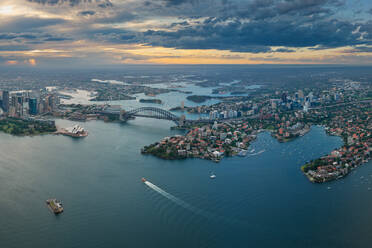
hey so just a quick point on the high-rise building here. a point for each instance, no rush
(19, 106)
(6, 101)
(51, 102)
(13, 101)
(41, 107)
(20, 99)
(284, 97)
(32, 106)
(301, 94)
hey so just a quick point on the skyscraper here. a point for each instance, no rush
(32, 105)
(284, 97)
(6, 101)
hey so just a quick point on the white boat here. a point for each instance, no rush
(242, 153)
(212, 176)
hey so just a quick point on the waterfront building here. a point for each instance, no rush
(213, 115)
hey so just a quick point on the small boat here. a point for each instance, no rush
(143, 179)
(212, 176)
(55, 206)
(242, 153)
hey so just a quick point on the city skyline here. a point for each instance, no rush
(41, 33)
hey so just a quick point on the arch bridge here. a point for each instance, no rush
(151, 112)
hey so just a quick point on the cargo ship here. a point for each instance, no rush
(55, 206)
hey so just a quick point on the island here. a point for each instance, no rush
(155, 101)
(198, 99)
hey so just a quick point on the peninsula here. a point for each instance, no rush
(25, 127)
(344, 110)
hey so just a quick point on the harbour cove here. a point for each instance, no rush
(255, 190)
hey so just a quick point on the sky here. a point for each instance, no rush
(114, 32)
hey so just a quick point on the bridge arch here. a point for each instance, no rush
(152, 112)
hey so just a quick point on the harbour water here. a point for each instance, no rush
(260, 201)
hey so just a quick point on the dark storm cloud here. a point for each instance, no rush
(252, 26)
(22, 24)
(13, 48)
(177, 2)
(360, 49)
(87, 13)
(31, 38)
(23, 31)
(284, 50)
(51, 38)
(263, 9)
(118, 17)
(112, 35)
(58, 2)
(72, 3)
(254, 36)
(255, 26)
(105, 4)
(366, 29)
(184, 23)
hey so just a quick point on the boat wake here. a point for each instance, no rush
(257, 153)
(178, 201)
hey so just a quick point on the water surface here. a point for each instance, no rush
(262, 200)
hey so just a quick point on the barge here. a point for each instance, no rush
(55, 206)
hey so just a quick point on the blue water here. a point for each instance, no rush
(171, 99)
(256, 201)
(260, 200)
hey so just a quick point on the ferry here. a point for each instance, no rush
(143, 180)
(55, 206)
